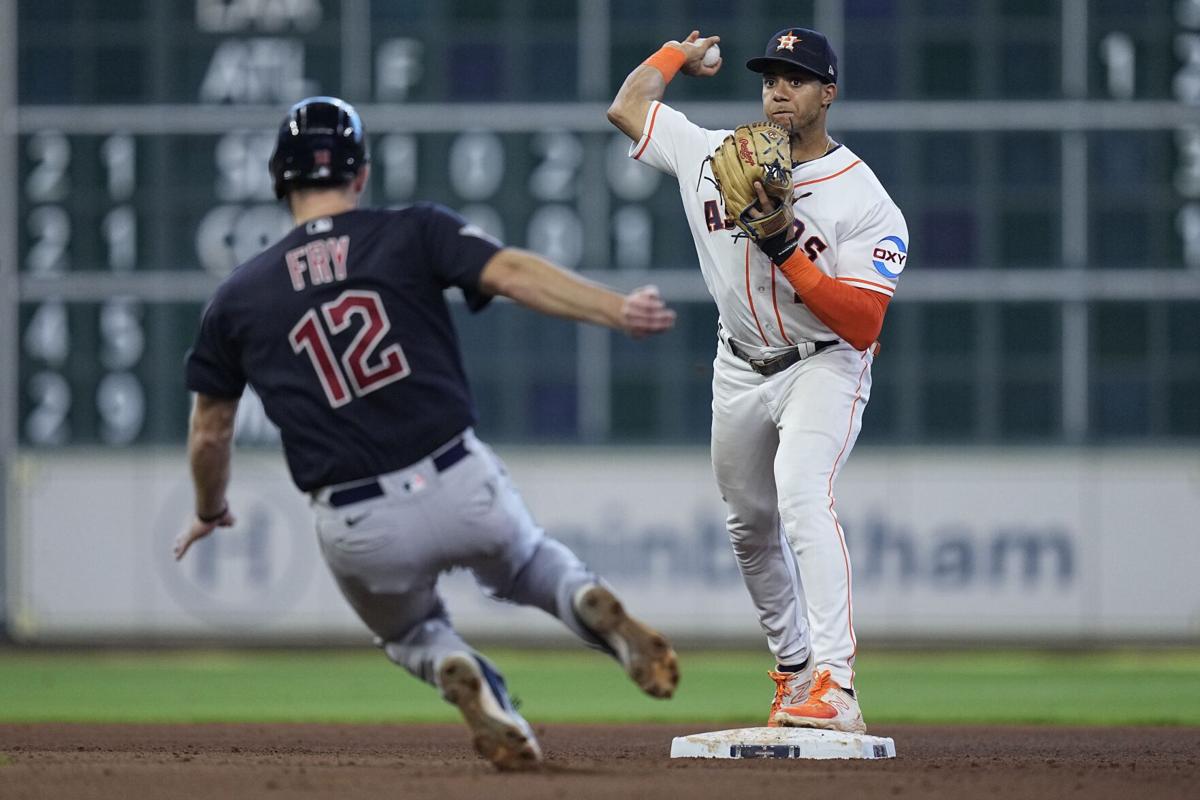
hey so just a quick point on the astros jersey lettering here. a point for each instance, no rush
(368, 285)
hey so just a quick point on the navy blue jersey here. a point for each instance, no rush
(343, 331)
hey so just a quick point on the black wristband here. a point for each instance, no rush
(778, 248)
(213, 518)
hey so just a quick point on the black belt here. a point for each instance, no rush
(365, 490)
(774, 364)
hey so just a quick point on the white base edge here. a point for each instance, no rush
(762, 743)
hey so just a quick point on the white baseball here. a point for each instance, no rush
(711, 56)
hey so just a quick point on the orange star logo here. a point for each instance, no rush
(786, 42)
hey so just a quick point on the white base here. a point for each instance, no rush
(781, 743)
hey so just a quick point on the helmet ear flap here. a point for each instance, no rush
(321, 142)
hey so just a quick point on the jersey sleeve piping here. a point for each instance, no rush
(869, 285)
(644, 142)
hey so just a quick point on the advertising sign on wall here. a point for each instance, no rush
(996, 544)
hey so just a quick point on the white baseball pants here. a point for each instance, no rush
(778, 443)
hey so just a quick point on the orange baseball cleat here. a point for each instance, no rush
(829, 707)
(791, 690)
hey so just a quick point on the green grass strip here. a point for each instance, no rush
(1104, 688)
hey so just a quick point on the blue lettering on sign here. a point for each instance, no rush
(953, 556)
(889, 256)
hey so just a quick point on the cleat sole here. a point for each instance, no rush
(500, 741)
(646, 654)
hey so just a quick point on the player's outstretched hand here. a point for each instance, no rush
(644, 313)
(197, 530)
(695, 47)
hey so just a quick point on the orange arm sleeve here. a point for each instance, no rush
(856, 315)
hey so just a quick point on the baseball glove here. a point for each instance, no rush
(760, 151)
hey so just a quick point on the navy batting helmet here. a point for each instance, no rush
(321, 143)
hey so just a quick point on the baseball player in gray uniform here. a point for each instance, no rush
(343, 331)
(799, 317)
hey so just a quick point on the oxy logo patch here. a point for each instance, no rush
(889, 256)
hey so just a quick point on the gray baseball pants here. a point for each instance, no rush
(387, 553)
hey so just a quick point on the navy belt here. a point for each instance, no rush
(770, 366)
(365, 490)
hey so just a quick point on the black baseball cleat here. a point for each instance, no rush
(499, 733)
(645, 653)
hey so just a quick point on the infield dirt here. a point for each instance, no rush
(583, 761)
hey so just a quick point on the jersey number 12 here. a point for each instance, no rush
(361, 369)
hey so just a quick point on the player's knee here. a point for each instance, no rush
(752, 524)
(804, 505)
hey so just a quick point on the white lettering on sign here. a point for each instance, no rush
(231, 234)
(399, 65)
(226, 16)
(256, 71)
(239, 158)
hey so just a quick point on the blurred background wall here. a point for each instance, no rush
(1028, 467)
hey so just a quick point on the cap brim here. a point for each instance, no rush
(761, 64)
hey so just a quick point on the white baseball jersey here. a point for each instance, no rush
(848, 224)
(780, 440)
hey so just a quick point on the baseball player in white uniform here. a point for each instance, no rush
(798, 329)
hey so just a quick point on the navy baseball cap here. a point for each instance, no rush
(799, 47)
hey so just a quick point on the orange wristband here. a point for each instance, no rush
(667, 60)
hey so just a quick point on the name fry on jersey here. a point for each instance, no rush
(317, 258)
